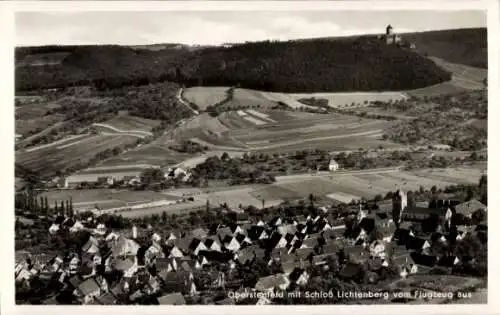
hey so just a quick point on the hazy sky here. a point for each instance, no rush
(216, 27)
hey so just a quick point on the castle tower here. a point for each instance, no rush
(388, 30)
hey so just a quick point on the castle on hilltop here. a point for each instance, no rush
(392, 38)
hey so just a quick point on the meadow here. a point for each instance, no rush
(128, 124)
(277, 131)
(344, 187)
(337, 187)
(71, 152)
(105, 198)
(205, 96)
(247, 98)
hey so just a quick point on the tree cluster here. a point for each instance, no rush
(338, 65)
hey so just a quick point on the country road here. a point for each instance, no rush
(298, 177)
(145, 133)
(182, 101)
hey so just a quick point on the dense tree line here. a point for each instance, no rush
(293, 66)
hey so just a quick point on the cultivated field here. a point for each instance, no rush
(151, 154)
(131, 125)
(204, 96)
(105, 198)
(246, 98)
(340, 186)
(43, 59)
(463, 78)
(346, 186)
(70, 152)
(43, 123)
(282, 131)
(285, 98)
(355, 99)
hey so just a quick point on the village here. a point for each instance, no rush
(246, 172)
(299, 253)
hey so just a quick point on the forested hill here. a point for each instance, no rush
(296, 66)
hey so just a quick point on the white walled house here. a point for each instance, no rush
(333, 165)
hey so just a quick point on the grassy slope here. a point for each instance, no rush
(464, 46)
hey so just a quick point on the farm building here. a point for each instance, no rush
(333, 165)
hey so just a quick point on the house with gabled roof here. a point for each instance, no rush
(351, 271)
(180, 281)
(332, 246)
(213, 243)
(197, 245)
(107, 298)
(311, 241)
(424, 259)
(152, 252)
(377, 249)
(236, 229)
(468, 208)
(256, 232)
(124, 264)
(276, 221)
(224, 232)
(277, 241)
(299, 277)
(112, 236)
(183, 244)
(91, 247)
(172, 299)
(173, 252)
(405, 264)
(89, 289)
(278, 282)
(277, 253)
(322, 259)
(285, 229)
(124, 247)
(172, 236)
(260, 223)
(449, 261)
(417, 244)
(355, 254)
(300, 219)
(322, 225)
(199, 233)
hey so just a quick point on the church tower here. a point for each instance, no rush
(399, 204)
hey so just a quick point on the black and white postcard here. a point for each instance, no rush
(248, 154)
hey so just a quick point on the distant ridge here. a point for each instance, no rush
(352, 63)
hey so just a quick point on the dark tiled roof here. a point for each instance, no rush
(88, 286)
(415, 243)
(421, 211)
(172, 299)
(469, 207)
(107, 298)
(351, 270)
(295, 274)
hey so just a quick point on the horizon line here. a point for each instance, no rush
(245, 42)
